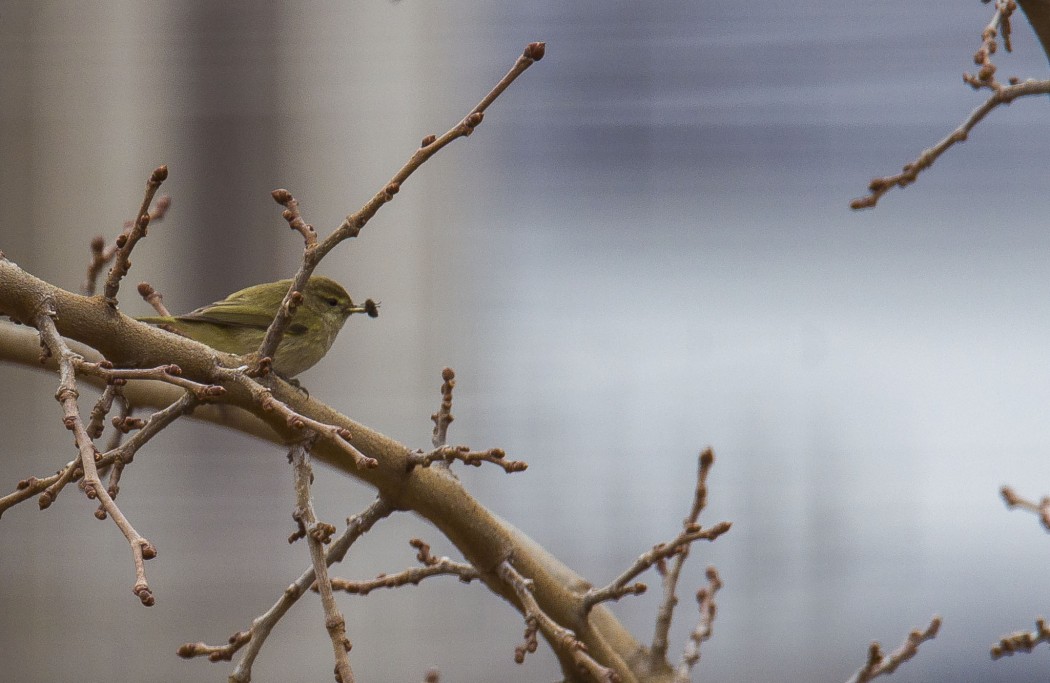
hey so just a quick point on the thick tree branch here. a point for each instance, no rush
(484, 539)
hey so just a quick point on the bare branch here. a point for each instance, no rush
(658, 650)
(171, 374)
(353, 223)
(255, 637)
(443, 417)
(66, 395)
(705, 597)
(101, 253)
(985, 76)
(1001, 95)
(446, 454)
(661, 551)
(449, 454)
(432, 566)
(880, 664)
(153, 298)
(1042, 508)
(1022, 641)
(294, 218)
(127, 240)
(560, 637)
(304, 512)
(264, 398)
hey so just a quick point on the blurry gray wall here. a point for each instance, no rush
(646, 248)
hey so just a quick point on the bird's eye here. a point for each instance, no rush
(332, 301)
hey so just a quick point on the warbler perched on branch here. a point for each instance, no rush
(238, 323)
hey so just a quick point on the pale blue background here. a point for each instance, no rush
(645, 249)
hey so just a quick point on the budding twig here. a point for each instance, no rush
(255, 637)
(1022, 641)
(448, 454)
(264, 397)
(304, 511)
(353, 223)
(537, 620)
(127, 240)
(658, 651)
(443, 417)
(880, 664)
(294, 218)
(432, 566)
(101, 253)
(1042, 508)
(705, 598)
(153, 298)
(984, 78)
(66, 395)
(1002, 95)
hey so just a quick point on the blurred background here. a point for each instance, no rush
(644, 250)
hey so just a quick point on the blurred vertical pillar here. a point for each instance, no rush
(228, 134)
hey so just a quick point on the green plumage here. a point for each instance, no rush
(238, 323)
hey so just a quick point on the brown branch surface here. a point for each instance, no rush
(127, 240)
(1038, 13)
(1022, 641)
(705, 598)
(1000, 96)
(485, 540)
(432, 566)
(536, 619)
(255, 637)
(880, 664)
(67, 394)
(334, 622)
(658, 650)
(443, 417)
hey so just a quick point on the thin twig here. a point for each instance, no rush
(620, 586)
(449, 454)
(432, 566)
(264, 397)
(1022, 641)
(537, 620)
(255, 637)
(97, 422)
(1042, 508)
(443, 417)
(127, 240)
(880, 664)
(658, 650)
(294, 217)
(153, 298)
(66, 395)
(353, 223)
(985, 76)
(304, 512)
(101, 253)
(705, 598)
(52, 485)
(1003, 95)
(170, 374)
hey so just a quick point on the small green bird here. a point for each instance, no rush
(238, 323)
